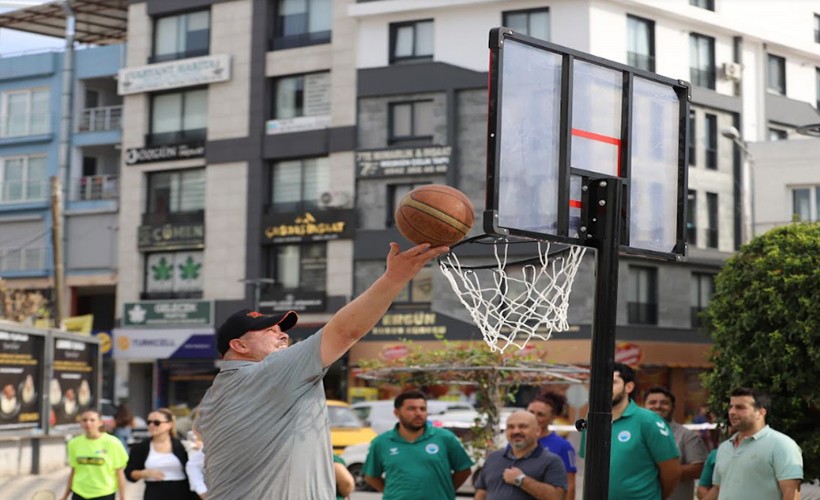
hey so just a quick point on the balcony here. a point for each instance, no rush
(695, 315)
(156, 218)
(711, 237)
(176, 137)
(300, 40)
(96, 187)
(22, 259)
(175, 56)
(642, 61)
(23, 191)
(642, 313)
(100, 119)
(25, 124)
(702, 77)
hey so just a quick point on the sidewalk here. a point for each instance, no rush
(24, 487)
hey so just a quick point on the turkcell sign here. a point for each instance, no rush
(164, 313)
(174, 74)
(164, 152)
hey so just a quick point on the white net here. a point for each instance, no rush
(512, 303)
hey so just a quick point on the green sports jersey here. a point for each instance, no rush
(95, 463)
(640, 440)
(421, 469)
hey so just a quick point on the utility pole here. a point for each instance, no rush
(57, 244)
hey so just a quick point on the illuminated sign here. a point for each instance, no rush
(315, 226)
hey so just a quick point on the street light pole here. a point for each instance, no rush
(747, 182)
(257, 288)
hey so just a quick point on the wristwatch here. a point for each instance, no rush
(520, 479)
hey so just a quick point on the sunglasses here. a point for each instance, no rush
(156, 422)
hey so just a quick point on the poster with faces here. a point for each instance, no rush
(20, 379)
(73, 388)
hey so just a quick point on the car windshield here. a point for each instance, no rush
(341, 416)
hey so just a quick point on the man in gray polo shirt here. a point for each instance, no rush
(264, 420)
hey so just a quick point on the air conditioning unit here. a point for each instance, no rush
(732, 71)
(334, 199)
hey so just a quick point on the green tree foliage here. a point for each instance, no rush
(764, 319)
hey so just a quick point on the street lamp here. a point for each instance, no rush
(747, 181)
(257, 288)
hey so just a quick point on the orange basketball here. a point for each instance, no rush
(435, 214)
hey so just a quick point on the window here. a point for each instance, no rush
(174, 275)
(776, 75)
(712, 220)
(176, 191)
(701, 289)
(299, 23)
(411, 41)
(702, 60)
(692, 217)
(411, 123)
(24, 112)
(533, 22)
(778, 134)
(302, 95)
(179, 117)
(817, 28)
(640, 43)
(643, 296)
(806, 203)
(703, 4)
(395, 193)
(302, 267)
(817, 87)
(711, 133)
(419, 290)
(693, 151)
(182, 36)
(23, 178)
(297, 184)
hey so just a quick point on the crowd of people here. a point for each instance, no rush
(265, 383)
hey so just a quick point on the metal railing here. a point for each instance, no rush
(22, 191)
(642, 61)
(23, 124)
(703, 77)
(96, 187)
(100, 119)
(22, 259)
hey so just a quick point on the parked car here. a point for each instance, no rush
(346, 428)
(379, 414)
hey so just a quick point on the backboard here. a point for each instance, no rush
(559, 118)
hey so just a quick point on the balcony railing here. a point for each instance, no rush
(96, 187)
(176, 137)
(642, 61)
(23, 124)
(23, 191)
(712, 237)
(100, 119)
(695, 316)
(642, 313)
(22, 259)
(703, 77)
(189, 217)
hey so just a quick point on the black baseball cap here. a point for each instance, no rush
(241, 322)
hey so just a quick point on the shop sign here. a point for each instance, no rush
(73, 386)
(163, 344)
(162, 313)
(165, 152)
(301, 301)
(20, 379)
(174, 74)
(298, 124)
(171, 235)
(628, 354)
(170, 272)
(409, 161)
(414, 323)
(310, 226)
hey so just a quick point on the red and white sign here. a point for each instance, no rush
(394, 352)
(628, 354)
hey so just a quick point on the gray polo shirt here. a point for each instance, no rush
(540, 464)
(265, 427)
(692, 451)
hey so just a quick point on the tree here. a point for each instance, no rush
(493, 375)
(764, 319)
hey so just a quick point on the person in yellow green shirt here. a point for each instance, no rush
(97, 461)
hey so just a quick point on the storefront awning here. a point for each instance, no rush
(100, 22)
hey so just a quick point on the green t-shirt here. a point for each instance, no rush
(640, 440)
(708, 470)
(421, 469)
(339, 460)
(95, 463)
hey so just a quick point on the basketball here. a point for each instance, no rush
(435, 214)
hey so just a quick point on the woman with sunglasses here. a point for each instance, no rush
(161, 460)
(97, 460)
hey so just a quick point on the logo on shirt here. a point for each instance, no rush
(624, 436)
(662, 428)
(394, 451)
(90, 461)
(431, 448)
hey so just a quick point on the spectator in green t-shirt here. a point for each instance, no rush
(345, 484)
(97, 461)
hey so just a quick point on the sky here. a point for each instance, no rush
(13, 42)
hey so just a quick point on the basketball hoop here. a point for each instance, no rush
(512, 301)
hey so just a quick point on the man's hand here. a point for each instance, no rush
(512, 473)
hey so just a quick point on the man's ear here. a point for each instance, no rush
(629, 386)
(238, 345)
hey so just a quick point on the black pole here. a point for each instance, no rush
(603, 217)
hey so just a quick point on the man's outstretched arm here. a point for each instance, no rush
(358, 317)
